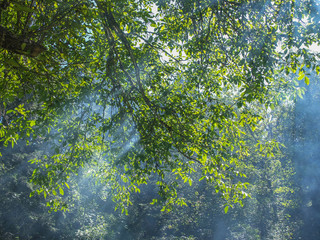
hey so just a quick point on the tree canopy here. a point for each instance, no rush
(134, 90)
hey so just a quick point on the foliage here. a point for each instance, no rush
(131, 93)
(278, 208)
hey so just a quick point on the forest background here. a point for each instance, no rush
(208, 110)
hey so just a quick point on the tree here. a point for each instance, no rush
(134, 93)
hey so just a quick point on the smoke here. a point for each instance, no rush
(307, 158)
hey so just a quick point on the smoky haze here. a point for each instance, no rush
(285, 202)
(306, 143)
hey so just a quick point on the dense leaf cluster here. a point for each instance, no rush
(140, 89)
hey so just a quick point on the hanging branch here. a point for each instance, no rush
(18, 44)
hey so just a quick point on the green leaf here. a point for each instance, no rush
(306, 80)
(301, 75)
(32, 123)
(23, 46)
(226, 208)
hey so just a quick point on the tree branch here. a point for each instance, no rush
(18, 44)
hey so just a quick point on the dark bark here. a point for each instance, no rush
(18, 44)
